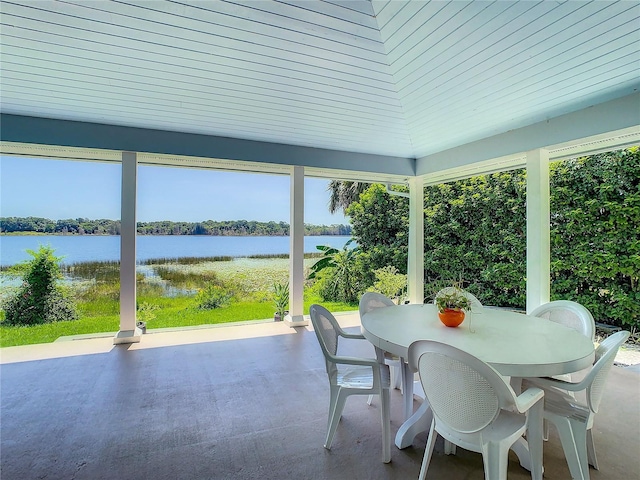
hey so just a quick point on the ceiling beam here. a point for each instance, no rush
(45, 131)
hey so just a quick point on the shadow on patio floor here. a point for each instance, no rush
(241, 402)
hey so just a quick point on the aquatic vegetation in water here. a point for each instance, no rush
(185, 260)
(105, 271)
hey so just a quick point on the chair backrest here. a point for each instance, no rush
(372, 300)
(605, 356)
(326, 328)
(569, 314)
(475, 303)
(465, 393)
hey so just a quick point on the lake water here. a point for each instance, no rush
(104, 248)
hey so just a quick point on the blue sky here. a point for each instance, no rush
(58, 189)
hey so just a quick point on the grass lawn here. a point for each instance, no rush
(251, 279)
(174, 312)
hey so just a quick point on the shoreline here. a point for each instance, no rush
(40, 234)
(179, 260)
(77, 249)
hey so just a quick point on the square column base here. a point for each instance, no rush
(127, 336)
(296, 321)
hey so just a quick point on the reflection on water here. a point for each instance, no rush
(82, 276)
(151, 278)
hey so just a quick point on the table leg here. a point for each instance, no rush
(419, 422)
(407, 386)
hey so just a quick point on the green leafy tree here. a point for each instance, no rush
(595, 234)
(40, 299)
(85, 226)
(475, 233)
(380, 225)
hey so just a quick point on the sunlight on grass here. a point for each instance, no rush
(49, 332)
(251, 279)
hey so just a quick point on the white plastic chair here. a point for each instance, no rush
(350, 376)
(568, 313)
(368, 302)
(574, 420)
(475, 408)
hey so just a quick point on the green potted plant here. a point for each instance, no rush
(452, 303)
(280, 300)
(145, 313)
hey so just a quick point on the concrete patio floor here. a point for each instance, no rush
(234, 402)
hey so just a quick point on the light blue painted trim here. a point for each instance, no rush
(46, 131)
(595, 120)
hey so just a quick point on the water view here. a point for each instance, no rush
(85, 248)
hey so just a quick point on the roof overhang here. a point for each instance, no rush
(606, 126)
(603, 127)
(70, 140)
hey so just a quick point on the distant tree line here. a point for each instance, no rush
(85, 226)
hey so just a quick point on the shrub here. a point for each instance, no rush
(338, 274)
(40, 299)
(334, 285)
(145, 312)
(213, 296)
(389, 282)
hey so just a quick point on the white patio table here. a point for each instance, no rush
(515, 344)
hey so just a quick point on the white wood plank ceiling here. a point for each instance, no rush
(398, 78)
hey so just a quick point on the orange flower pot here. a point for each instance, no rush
(451, 317)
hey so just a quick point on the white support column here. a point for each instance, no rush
(296, 251)
(538, 229)
(128, 332)
(415, 267)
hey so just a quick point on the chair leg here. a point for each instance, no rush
(369, 400)
(545, 429)
(449, 448)
(428, 450)
(400, 374)
(580, 435)
(396, 378)
(495, 457)
(591, 450)
(571, 448)
(535, 437)
(385, 416)
(335, 412)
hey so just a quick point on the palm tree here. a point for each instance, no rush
(344, 194)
